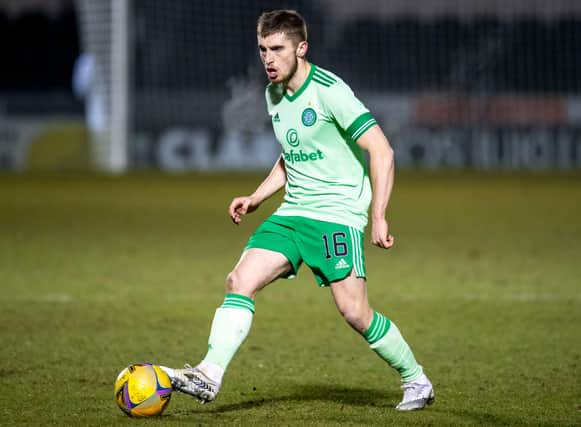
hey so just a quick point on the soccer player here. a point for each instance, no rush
(322, 128)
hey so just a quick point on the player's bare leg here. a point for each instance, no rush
(350, 295)
(384, 338)
(256, 269)
(232, 321)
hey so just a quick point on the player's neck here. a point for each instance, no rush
(299, 76)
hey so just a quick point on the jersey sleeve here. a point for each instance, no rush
(348, 111)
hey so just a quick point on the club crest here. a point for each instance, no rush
(309, 117)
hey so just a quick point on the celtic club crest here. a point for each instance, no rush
(309, 116)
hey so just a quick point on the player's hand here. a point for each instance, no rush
(380, 234)
(240, 206)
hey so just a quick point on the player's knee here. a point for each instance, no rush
(235, 284)
(351, 316)
(232, 281)
(356, 316)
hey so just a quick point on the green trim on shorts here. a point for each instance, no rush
(330, 250)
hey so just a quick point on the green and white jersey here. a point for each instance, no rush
(317, 126)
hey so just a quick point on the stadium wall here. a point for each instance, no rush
(471, 84)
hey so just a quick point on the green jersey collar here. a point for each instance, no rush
(295, 95)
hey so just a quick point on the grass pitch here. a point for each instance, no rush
(484, 282)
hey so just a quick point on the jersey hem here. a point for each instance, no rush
(355, 223)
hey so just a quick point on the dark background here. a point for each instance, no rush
(530, 55)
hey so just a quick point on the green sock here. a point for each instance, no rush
(385, 339)
(230, 327)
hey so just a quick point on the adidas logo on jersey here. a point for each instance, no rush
(276, 118)
(341, 264)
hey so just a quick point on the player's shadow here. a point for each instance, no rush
(318, 392)
(358, 397)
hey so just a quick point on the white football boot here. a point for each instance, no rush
(194, 382)
(416, 394)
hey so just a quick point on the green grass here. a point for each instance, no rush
(484, 282)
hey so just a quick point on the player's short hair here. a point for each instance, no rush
(289, 22)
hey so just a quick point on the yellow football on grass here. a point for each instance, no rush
(142, 390)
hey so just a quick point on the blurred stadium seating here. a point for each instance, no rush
(38, 52)
(447, 71)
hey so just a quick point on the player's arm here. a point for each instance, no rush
(381, 165)
(275, 180)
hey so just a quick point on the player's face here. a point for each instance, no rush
(279, 56)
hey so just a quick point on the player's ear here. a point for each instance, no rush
(302, 48)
